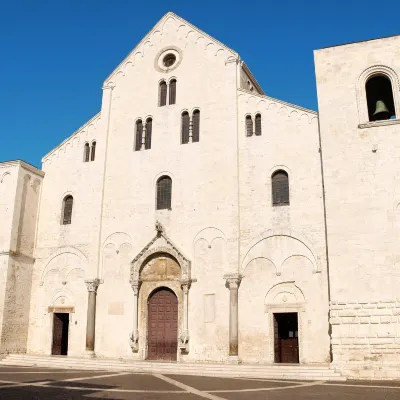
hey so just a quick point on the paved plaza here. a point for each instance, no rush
(53, 384)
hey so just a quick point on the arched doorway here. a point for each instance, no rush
(162, 325)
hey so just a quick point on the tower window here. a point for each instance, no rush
(172, 91)
(185, 127)
(147, 140)
(138, 135)
(249, 126)
(164, 190)
(67, 210)
(196, 125)
(93, 152)
(380, 98)
(258, 124)
(280, 188)
(86, 152)
(162, 96)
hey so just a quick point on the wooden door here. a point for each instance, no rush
(60, 334)
(163, 326)
(286, 338)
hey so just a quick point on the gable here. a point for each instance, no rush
(174, 28)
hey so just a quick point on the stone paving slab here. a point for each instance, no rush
(209, 383)
(42, 384)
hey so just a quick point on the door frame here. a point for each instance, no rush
(153, 292)
(278, 309)
(276, 327)
(52, 329)
(145, 292)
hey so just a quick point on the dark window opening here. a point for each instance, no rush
(67, 210)
(169, 60)
(93, 152)
(138, 136)
(86, 154)
(162, 94)
(258, 125)
(185, 127)
(196, 125)
(147, 140)
(280, 188)
(164, 189)
(249, 126)
(380, 98)
(172, 91)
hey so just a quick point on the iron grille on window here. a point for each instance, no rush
(196, 125)
(172, 91)
(93, 152)
(185, 127)
(163, 94)
(86, 154)
(258, 125)
(139, 133)
(280, 188)
(147, 140)
(67, 210)
(249, 126)
(164, 188)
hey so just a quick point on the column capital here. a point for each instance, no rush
(135, 286)
(185, 284)
(92, 284)
(232, 280)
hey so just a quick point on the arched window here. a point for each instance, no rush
(86, 153)
(380, 98)
(196, 125)
(93, 151)
(147, 139)
(164, 190)
(249, 126)
(280, 188)
(185, 127)
(258, 124)
(172, 91)
(162, 96)
(138, 135)
(67, 209)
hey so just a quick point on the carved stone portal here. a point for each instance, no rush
(161, 263)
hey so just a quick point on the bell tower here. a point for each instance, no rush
(358, 97)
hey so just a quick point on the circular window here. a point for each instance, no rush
(169, 60)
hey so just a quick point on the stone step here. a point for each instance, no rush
(301, 372)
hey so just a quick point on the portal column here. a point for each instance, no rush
(135, 331)
(92, 286)
(232, 283)
(184, 336)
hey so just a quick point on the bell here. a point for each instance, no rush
(381, 111)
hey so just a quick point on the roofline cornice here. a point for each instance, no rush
(25, 165)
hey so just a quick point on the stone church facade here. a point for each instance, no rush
(195, 218)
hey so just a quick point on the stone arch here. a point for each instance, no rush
(56, 263)
(301, 247)
(284, 294)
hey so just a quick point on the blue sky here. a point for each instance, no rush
(56, 54)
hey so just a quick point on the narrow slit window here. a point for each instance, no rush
(93, 152)
(138, 135)
(280, 188)
(258, 124)
(67, 210)
(249, 126)
(164, 191)
(185, 127)
(162, 94)
(86, 152)
(172, 91)
(147, 140)
(196, 125)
